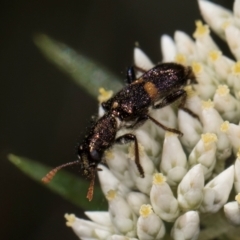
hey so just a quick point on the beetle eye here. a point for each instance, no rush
(95, 155)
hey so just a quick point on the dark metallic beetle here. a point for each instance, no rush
(129, 108)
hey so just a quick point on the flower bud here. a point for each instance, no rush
(217, 191)
(163, 202)
(87, 229)
(215, 16)
(190, 189)
(168, 48)
(205, 153)
(149, 225)
(122, 216)
(174, 161)
(136, 200)
(141, 60)
(232, 211)
(186, 226)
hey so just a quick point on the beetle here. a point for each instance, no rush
(129, 108)
(156, 88)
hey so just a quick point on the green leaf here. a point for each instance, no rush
(86, 73)
(65, 184)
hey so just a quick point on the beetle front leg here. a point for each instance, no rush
(126, 138)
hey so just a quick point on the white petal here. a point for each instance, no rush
(232, 131)
(205, 153)
(136, 200)
(217, 191)
(190, 189)
(186, 226)
(215, 16)
(236, 8)
(87, 229)
(168, 48)
(226, 104)
(185, 45)
(173, 156)
(191, 127)
(237, 175)
(120, 237)
(232, 36)
(141, 60)
(100, 217)
(118, 163)
(212, 121)
(121, 214)
(109, 182)
(149, 225)
(163, 202)
(232, 212)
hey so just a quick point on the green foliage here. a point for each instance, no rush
(86, 73)
(65, 184)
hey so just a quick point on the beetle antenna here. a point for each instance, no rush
(91, 187)
(49, 176)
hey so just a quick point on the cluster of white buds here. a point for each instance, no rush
(185, 177)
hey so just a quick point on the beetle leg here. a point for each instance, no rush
(182, 104)
(140, 69)
(126, 138)
(172, 97)
(131, 76)
(164, 127)
(141, 120)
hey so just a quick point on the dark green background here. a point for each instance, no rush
(42, 112)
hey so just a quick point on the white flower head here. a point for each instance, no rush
(185, 177)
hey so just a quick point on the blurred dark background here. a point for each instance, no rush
(43, 112)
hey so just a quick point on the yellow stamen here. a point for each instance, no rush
(222, 90)
(108, 155)
(131, 150)
(237, 198)
(71, 218)
(190, 91)
(214, 55)
(201, 30)
(225, 25)
(145, 210)
(104, 95)
(180, 58)
(208, 139)
(111, 194)
(169, 134)
(238, 154)
(207, 104)
(236, 68)
(197, 67)
(224, 126)
(158, 178)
